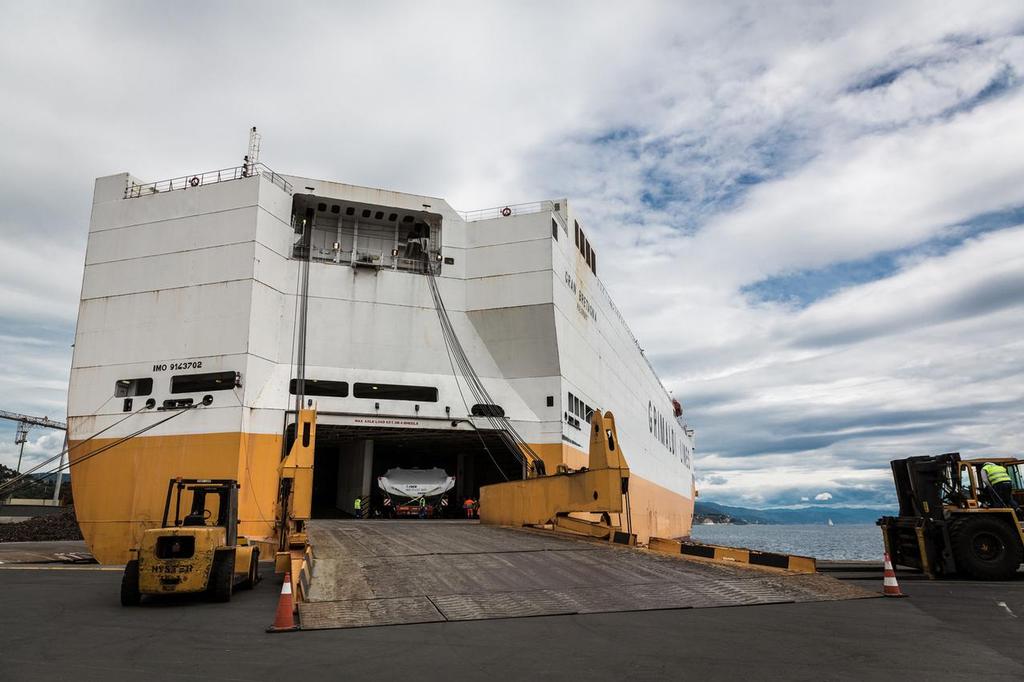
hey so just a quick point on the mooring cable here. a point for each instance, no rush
(10, 486)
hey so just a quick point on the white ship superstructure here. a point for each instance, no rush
(197, 287)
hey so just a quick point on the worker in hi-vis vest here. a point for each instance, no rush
(1000, 486)
(358, 504)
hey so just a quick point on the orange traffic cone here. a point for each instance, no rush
(890, 588)
(284, 621)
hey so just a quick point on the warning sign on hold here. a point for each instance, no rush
(386, 422)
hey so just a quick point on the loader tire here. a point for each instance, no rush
(222, 577)
(253, 576)
(130, 594)
(986, 548)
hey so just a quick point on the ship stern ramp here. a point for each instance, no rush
(387, 572)
(390, 572)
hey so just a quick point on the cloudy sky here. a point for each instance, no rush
(812, 214)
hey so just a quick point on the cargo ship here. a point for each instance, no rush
(215, 305)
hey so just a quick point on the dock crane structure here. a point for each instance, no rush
(26, 422)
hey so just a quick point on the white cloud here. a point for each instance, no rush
(41, 445)
(823, 497)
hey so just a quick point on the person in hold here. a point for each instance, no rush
(470, 506)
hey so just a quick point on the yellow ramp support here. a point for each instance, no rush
(601, 488)
(295, 499)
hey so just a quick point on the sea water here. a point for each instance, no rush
(853, 542)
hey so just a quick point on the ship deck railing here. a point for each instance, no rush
(508, 211)
(196, 180)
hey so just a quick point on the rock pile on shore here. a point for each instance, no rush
(61, 526)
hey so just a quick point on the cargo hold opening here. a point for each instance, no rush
(349, 459)
(364, 235)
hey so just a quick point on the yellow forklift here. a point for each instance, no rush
(948, 524)
(197, 552)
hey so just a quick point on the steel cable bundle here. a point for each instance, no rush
(507, 433)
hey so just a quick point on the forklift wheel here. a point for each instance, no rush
(222, 576)
(130, 595)
(254, 572)
(986, 548)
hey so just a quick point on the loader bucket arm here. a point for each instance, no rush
(602, 488)
(295, 496)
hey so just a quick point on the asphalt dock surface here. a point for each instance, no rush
(64, 622)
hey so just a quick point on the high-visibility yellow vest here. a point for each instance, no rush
(996, 473)
(359, 503)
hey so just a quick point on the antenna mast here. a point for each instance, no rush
(253, 157)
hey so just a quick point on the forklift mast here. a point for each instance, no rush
(925, 484)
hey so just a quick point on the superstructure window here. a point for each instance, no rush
(327, 389)
(210, 381)
(554, 229)
(420, 394)
(126, 388)
(578, 407)
(585, 249)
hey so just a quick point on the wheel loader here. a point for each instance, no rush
(950, 523)
(199, 551)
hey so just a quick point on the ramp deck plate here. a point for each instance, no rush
(413, 571)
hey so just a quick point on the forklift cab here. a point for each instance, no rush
(976, 494)
(211, 499)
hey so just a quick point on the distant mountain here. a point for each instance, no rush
(720, 513)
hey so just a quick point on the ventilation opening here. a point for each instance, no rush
(420, 394)
(483, 410)
(210, 381)
(327, 389)
(125, 388)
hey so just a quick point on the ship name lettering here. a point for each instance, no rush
(570, 282)
(664, 430)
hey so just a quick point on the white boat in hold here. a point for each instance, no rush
(416, 483)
